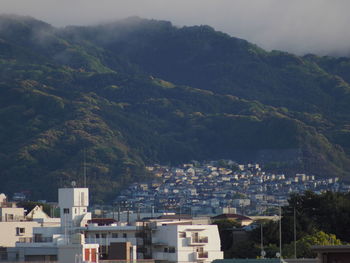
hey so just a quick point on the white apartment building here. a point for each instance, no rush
(186, 243)
(14, 225)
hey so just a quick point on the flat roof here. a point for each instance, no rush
(335, 248)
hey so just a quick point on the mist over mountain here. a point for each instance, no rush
(138, 91)
(300, 27)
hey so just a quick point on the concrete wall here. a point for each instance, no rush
(8, 232)
(121, 251)
(211, 247)
(75, 201)
(74, 252)
(22, 253)
(70, 197)
(11, 213)
(186, 248)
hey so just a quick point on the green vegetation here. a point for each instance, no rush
(320, 220)
(139, 92)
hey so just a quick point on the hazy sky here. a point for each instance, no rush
(298, 26)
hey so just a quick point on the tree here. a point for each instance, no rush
(226, 227)
(328, 212)
(304, 244)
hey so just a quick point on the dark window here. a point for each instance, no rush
(103, 235)
(65, 210)
(125, 235)
(97, 235)
(171, 249)
(20, 231)
(114, 235)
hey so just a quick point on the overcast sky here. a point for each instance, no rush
(298, 26)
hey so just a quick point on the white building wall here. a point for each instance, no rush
(165, 237)
(73, 203)
(9, 235)
(11, 213)
(73, 253)
(187, 249)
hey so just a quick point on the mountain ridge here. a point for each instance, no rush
(151, 93)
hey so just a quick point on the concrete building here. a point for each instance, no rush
(332, 254)
(60, 241)
(186, 243)
(76, 237)
(13, 225)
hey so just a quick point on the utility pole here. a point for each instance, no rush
(280, 234)
(262, 241)
(295, 234)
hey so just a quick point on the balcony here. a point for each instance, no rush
(195, 241)
(25, 240)
(36, 240)
(12, 218)
(201, 255)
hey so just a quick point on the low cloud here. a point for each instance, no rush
(297, 26)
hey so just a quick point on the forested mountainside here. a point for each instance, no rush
(139, 92)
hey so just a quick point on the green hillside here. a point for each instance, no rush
(140, 92)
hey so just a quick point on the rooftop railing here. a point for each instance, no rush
(13, 218)
(35, 240)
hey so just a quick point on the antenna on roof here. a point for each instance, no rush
(74, 184)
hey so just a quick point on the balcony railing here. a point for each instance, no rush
(202, 254)
(198, 240)
(12, 218)
(36, 240)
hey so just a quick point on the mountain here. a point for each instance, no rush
(137, 92)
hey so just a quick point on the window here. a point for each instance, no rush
(97, 235)
(171, 249)
(20, 231)
(166, 250)
(182, 234)
(103, 235)
(38, 237)
(125, 235)
(141, 250)
(65, 210)
(199, 249)
(75, 210)
(114, 235)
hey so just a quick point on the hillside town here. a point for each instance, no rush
(219, 187)
(187, 205)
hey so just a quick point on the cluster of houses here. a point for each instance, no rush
(208, 188)
(78, 237)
